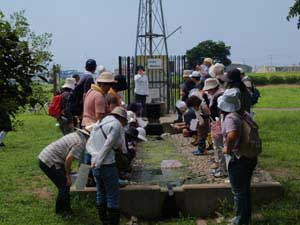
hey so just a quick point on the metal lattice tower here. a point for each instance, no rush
(151, 38)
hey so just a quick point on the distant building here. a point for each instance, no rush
(270, 69)
(246, 68)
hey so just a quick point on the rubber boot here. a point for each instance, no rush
(114, 216)
(102, 211)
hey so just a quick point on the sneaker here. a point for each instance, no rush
(198, 153)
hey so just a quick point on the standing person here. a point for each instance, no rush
(95, 102)
(56, 161)
(82, 87)
(114, 98)
(141, 87)
(214, 91)
(66, 119)
(77, 78)
(240, 168)
(233, 79)
(5, 126)
(107, 136)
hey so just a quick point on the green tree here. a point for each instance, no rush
(218, 51)
(22, 55)
(294, 12)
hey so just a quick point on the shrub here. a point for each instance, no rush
(292, 79)
(275, 79)
(259, 80)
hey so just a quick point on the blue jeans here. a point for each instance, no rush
(107, 183)
(58, 177)
(240, 172)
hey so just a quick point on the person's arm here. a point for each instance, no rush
(231, 138)
(68, 164)
(87, 84)
(100, 108)
(137, 77)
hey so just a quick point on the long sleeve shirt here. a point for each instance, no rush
(103, 142)
(141, 84)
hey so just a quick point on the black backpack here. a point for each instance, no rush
(255, 95)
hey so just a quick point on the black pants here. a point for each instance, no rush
(58, 177)
(142, 100)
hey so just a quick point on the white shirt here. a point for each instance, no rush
(102, 149)
(141, 84)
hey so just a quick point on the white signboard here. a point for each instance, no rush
(154, 64)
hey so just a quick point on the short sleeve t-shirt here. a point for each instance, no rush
(57, 152)
(232, 122)
(94, 103)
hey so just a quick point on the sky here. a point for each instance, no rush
(256, 30)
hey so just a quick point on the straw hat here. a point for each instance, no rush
(69, 83)
(87, 130)
(186, 73)
(208, 60)
(119, 111)
(230, 100)
(142, 134)
(210, 83)
(106, 77)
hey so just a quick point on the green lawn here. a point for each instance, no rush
(27, 196)
(279, 96)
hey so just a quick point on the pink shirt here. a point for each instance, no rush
(94, 103)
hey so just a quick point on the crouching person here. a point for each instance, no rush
(56, 160)
(105, 138)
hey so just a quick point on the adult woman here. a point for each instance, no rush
(240, 168)
(141, 87)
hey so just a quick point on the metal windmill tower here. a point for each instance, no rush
(151, 38)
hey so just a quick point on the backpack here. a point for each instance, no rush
(251, 144)
(55, 106)
(254, 95)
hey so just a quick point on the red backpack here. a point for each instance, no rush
(55, 106)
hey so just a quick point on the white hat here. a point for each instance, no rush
(69, 83)
(195, 92)
(210, 83)
(131, 117)
(181, 105)
(101, 69)
(195, 74)
(230, 100)
(216, 70)
(87, 130)
(106, 77)
(119, 111)
(142, 134)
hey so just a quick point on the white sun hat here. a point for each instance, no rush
(131, 117)
(142, 134)
(230, 100)
(69, 83)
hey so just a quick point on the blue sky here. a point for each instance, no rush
(105, 29)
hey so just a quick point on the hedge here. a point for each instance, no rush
(275, 78)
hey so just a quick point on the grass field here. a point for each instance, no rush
(27, 196)
(279, 96)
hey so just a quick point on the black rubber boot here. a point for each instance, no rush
(114, 216)
(102, 211)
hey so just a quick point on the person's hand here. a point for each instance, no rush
(93, 165)
(69, 180)
(226, 150)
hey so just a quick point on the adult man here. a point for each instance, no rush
(95, 102)
(82, 87)
(56, 160)
(107, 136)
(141, 87)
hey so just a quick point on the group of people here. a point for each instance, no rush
(214, 103)
(99, 130)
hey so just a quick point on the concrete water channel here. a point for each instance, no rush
(190, 189)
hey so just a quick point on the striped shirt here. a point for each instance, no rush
(57, 152)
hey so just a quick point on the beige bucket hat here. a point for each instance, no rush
(69, 83)
(106, 77)
(210, 83)
(119, 111)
